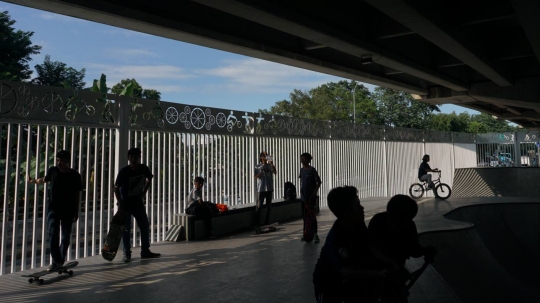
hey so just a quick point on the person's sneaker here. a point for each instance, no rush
(126, 258)
(54, 266)
(316, 239)
(150, 255)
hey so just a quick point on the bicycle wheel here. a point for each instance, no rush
(443, 191)
(416, 190)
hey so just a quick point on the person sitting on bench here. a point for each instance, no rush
(198, 207)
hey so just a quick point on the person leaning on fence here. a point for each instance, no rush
(310, 182)
(202, 209)
(131, 185)
(264, 173)
(342, 272)
(63, 203)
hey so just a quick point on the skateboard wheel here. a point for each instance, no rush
(41, 281)
(59, 272)
(30, 280)
(70, 273)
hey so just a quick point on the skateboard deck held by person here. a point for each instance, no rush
(112, 243)
(36, 277)
(266, 228)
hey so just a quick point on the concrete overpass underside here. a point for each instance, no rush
(483, 55)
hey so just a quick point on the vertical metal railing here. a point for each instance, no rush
(179, 142)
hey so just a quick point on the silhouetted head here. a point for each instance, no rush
(425, 158)
(262, 156)
(198, 182)
(306, 158)
(345, 205)
(134, 157)
(63, 158)
(401, 209)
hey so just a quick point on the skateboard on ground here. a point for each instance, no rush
(112, 243)
(36, 277)
(266, 228)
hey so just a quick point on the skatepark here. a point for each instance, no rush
(486, 253)
(477, 54)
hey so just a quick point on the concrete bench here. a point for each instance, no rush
(237, 218)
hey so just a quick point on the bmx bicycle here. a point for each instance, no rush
(392, 287)
(441, 190)
(396, 289)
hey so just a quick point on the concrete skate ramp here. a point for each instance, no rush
(497, 260)
(496, 182)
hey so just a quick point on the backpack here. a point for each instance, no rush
(289, 191)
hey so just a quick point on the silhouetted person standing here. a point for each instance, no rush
(131, 185)
(64, 204)
(310, 182)
(264, 173)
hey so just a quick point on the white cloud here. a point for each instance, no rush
(115, 73)
(254, 75)
(132, 52)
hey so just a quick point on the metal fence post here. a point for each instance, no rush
(517, 151)
(121, 138)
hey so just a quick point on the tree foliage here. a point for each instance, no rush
(400, 109)
(451, 122)
(385, 106)
(482, 123)
(138, 90)
(330, 101)
(58, 74)
(15, 50)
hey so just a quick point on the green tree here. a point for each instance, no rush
(400, 109)
(15, 50)
(151, 94)
(493, 125)
(330, 101)
(58, 74)
(451, 122)
(138, 90)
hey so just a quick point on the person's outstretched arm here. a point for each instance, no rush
(36, 181)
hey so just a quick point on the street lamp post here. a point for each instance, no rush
(354, 102)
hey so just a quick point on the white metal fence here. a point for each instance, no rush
(180, 142)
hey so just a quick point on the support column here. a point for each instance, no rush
(517, 151)
(122, 136)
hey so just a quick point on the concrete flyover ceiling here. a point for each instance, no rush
(480, 54)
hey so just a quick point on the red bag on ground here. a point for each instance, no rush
(222, 207)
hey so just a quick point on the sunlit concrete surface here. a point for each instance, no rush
(243, 267)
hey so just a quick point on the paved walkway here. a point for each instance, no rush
(273, 267)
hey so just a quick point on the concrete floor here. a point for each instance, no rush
(243, 267)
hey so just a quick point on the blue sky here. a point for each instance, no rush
(182, 72)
